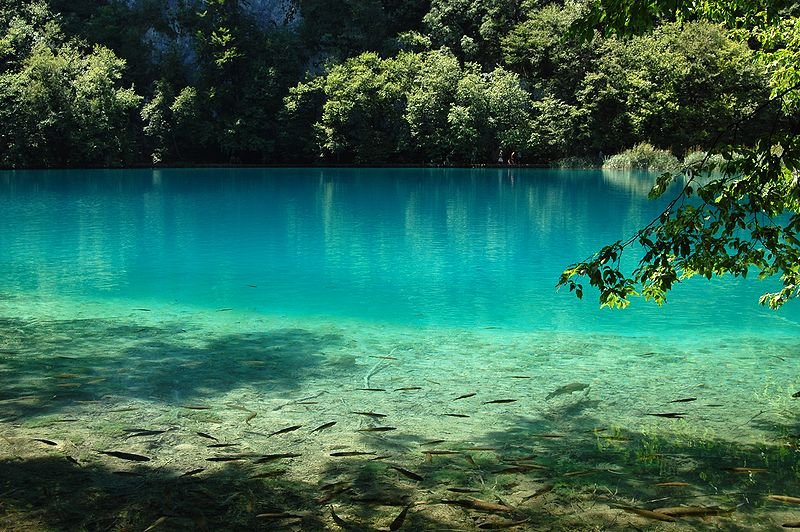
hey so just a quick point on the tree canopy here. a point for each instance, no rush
(376, 81)
(733, 216)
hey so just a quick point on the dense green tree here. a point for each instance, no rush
(61, 104)
(333, 31)
(221, 85)
(543, 51)
(746, 218)
(361, 118)
(414, 106)
(677, 87)
(472, 29)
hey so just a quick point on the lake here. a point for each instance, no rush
(306, 316)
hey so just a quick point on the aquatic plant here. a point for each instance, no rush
(643, 156)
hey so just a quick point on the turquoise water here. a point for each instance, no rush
(236, 303)
(434, 248)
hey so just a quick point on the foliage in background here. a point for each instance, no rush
(382, 81)
(744, 219)
(62, 103)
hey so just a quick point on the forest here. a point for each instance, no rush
(363, 82)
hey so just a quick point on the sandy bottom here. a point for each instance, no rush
(115, 418)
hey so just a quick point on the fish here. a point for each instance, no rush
(196, 407)
(745, 469)
(352, 453)
(442, 452)
(792, 524)
(541, 491)
(383, 357)
(324, 426)
(477, 504)
(409, 474)
(672, 484)
(567, 389)
(432, 442)
(208, 436)
(250, 417)
(372, 389)
(519, 376)
(228, 458)
(693, 511)
(398, 521)
(280, 456)
(470, 460)
(408, 389)
(456, 415)
(464, 490)
(287, 429)
(127, 474)
(142, 309)
(796, 395)
(222, 445)
(335, 485)
(370, 414)
(518, 469)
(338, 520)
(156, 523)
(382, 457)
(650, 514)
(466, 395)
(500, 525)
(685, 400)
(137, 432)
(784, 498)
(376, 429)
(193, 472)
(46, 442)
(499, 401)
(279, 515)
(671, 415)
(580, 473)
(126, 456)
(226, 309)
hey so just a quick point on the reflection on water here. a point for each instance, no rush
(421, 247)
(231, 350)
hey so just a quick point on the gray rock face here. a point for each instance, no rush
(266, 13)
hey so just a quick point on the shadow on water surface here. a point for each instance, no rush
(47, 366)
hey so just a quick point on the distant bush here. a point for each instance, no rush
(694, 159)
(576, 162)
(643, 156)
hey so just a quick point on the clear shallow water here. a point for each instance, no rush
(129, 298)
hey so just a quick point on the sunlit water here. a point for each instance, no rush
(189, 300)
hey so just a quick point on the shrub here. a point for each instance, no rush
(694, 160)
(576, 162)
(643, 156)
